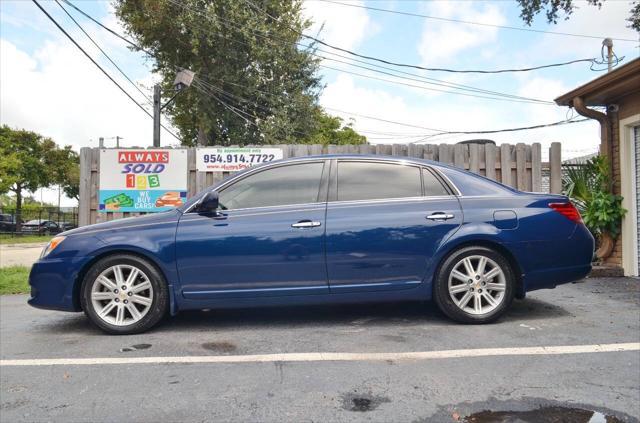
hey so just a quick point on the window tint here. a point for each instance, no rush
(368, 181)
(432, 186)
(293, 184)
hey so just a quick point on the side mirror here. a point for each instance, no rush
(209, 203)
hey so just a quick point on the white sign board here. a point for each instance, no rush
(142, 180)
(233, 159)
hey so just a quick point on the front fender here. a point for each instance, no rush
(163, 258)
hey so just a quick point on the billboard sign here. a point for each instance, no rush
(142, 180)
(233, 159)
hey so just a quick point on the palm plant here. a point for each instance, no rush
(579, 182)
(589, 188)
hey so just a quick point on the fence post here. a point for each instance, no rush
(458, 155)
(85, 187)
(536, 167)
(505, 164)
(521, 170)
(474, 158)
(555, 167)
(490, 161)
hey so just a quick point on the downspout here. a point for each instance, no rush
(605, 129)
(606, 242)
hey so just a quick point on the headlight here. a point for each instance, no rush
(52, 245)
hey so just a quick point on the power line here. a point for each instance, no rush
(438, 131)
(476, 23)
(388, 62)
(137, 47)
(103, 52)
(507, 97)
(496, 131)
(418, 78)
(207, 88)
(438, 90)
(97, 64)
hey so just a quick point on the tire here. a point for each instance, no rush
(137, 308)
(457, 288)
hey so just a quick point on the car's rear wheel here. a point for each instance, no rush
(124, 294)
(474, 285)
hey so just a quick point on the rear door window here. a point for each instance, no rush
(371, 181)
(432, 185)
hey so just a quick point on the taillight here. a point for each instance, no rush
(568, 210)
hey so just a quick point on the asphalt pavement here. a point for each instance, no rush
(572, 352)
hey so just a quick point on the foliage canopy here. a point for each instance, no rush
(29, 161)
(254, 84)
(588, 186)
(554, 8)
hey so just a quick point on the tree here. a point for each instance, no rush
(554, 8)
(254, 84)
(66, 171)
(29, 161)
(331, 130)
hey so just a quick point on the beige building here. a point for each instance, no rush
(619, 92)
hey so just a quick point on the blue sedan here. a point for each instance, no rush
(324, 229)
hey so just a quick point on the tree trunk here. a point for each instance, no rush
(18, 192)
(201, 141)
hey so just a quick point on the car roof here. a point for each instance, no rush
(380, 157)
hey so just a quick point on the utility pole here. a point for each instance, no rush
(101, 142)
(182, 81)
(156, 115)
(118, 138)
(608, 43)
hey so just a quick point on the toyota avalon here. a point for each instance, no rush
(324, 229)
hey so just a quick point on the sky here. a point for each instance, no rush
(47, 85)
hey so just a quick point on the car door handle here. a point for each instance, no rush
(440, 216)
(306, 224)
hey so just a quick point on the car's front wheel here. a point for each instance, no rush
(124, 294)
(474, 285)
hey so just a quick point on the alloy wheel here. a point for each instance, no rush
(477, 284)
(122, 295)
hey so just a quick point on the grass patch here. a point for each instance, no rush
(8, 239)
(14, 280)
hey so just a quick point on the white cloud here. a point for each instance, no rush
(443, 40)
(464, 114)
(607, 21)
(344, 94)
(59, 93)
(338, 24)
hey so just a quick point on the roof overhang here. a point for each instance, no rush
(608, 88)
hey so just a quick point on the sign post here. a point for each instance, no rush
(142, 180)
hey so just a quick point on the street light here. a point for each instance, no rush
(183, 80)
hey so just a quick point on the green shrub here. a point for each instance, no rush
(589, 188)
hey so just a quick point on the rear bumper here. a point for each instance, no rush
(548, 264)
(53, 283)
(551, 278)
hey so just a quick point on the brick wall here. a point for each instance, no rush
(616, 256)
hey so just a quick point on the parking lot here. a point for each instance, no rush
(346, 363)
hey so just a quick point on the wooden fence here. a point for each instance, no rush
(519, 166)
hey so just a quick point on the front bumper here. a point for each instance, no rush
(53, 283)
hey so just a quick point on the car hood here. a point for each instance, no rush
(129, 222)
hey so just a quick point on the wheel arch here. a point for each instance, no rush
(77, 288)
(493, 245)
